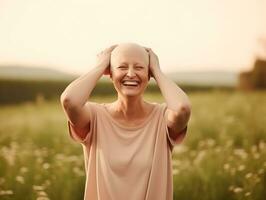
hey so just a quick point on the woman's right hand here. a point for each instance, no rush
(103, 59)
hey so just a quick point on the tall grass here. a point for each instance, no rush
(222, 157)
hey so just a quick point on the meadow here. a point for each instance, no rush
(222, 157)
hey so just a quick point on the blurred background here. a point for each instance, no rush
(214, 50)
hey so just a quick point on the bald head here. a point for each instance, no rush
(130, 53)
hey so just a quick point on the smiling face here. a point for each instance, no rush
(130, 69)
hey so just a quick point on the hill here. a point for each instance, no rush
(201, 78)
(213, 78)
(33, 73)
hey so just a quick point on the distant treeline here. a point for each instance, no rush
(254, 79)
(17, 91)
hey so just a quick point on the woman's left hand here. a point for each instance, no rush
(153, 61)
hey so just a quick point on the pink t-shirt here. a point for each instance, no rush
(127, 163)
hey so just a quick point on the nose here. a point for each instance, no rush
(130, 72)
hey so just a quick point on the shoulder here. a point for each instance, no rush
(160, 106)
(94, 105)
(158, 109)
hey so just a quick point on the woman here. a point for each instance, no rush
(128, 143)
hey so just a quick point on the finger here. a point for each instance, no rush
(112, 47)
(109, 49)
(147, 48)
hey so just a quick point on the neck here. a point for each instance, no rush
(130, 107)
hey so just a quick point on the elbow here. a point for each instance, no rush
(186, 107)
(63, 98)
(65, 101)
(182, 112)
(185, 110)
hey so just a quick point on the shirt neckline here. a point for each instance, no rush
(130, 127)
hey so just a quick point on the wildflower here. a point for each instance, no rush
(249, 175)
(9, 154)
(256, 155)
(20, 179)
(238, 190)
(175, 171)
(261, 171)
(262, 145)
(176, 162)
(72, 158)
(241, 167)
(217, 149)
(77, 171)
(6, 192)
(46, 165)
(254, 148)
(38, 187)
(210, 142)
(43, 198)
(201, 144)
(2, 180)
(231, 188)
(42, 193)
(226, 166)
(180, 149)
(24, 169)
(241, 153)
(37, 153)
(199, 157)
(47, 183)
(247, 194)
(229, 143)
(39, 160)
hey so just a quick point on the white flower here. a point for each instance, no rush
(248, 175)
(241, 167)
(20, 179)
(238, 190)
(175, 171)
(46, 165)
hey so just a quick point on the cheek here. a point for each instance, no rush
(116, 74)
(148, 74)
(116, 77)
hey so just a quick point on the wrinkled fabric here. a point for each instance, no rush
(132, 163)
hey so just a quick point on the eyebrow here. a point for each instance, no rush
(136, 63)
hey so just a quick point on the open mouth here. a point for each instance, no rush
(130, 84)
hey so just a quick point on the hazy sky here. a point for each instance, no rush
(187, 35)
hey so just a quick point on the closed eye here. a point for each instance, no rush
(122, 67)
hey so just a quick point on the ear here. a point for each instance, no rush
(110, 72)
(149, 69)
(149, 74)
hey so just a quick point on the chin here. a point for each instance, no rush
(131, 93)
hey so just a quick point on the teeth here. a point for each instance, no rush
(134, 83)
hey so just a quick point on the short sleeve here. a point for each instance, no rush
(180, 136)
(75, 131)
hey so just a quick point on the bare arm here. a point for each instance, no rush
(74, 97)
(178, 104)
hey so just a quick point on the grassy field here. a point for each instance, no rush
(222, 157)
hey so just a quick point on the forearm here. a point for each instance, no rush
(78, 92)
(174, 96)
